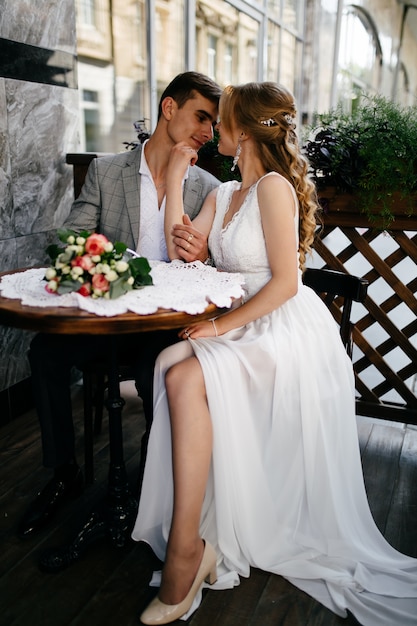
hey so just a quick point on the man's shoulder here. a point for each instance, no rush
(120, 159)
(197, 173)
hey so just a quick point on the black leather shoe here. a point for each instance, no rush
(47, 503)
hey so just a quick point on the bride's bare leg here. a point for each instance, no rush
(191, 455)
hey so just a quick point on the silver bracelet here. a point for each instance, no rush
(213, 320)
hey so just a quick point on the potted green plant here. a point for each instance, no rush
(370, 154)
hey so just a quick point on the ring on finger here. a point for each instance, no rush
(186, 333)
(190, 238)
(188, 246)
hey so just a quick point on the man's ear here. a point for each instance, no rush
(167, 106)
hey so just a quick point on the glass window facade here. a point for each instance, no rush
(129, 50)
(324, 51)
(360, 58)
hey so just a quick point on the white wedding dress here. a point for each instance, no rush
(285, 492)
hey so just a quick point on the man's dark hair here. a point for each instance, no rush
(184, 86)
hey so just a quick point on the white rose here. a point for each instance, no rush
(71, 239)
(130, 280)
(108, 246)
(50, 273)
(111, 275)
(80, 241)
(121, 266)
(76, 272)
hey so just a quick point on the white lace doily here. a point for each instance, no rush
(186, 287)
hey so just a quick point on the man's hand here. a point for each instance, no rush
(190, 244)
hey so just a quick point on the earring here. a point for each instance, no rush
(236, 157)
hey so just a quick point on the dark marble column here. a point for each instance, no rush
(39, 117)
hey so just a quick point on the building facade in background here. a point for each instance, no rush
(324, 51)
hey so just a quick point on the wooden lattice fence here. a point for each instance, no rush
(385, 326)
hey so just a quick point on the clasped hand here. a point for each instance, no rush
(190, 244)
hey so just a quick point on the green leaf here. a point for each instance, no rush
(53, 250)
(67, 286)
(64, 233)
(142, 281)
(119, 287)
(119, 247)
(140, 270)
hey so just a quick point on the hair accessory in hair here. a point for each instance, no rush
(289, 119)
(269, 122)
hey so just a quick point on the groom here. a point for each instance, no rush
(123, 197)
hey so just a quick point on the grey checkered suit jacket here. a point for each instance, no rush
(109, 202)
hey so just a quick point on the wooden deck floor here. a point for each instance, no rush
(109, 586)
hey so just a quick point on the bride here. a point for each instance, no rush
(253, 456)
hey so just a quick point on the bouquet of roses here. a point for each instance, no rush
(93, 266)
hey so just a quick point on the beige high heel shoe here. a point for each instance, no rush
(159, 613)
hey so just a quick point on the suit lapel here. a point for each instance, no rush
(193, 190)
(131, 184)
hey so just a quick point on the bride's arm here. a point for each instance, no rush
(277, 209)
(181, 157)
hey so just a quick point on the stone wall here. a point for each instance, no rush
(38, 126)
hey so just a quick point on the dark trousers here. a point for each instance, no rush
(52, 358)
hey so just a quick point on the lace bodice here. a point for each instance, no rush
(240, 246)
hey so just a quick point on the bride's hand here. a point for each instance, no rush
(200, 329)
(182, 155)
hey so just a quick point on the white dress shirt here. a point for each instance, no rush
(151, 241)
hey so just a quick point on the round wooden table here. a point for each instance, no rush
(115, 518)
(74, 321)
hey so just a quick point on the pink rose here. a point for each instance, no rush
(84, 262)
(52, 286)
(95, 244)
(85, 289)
(100, 282)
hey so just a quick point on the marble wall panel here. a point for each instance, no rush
(44, 23)
(38, 126)
(31, 249)
(42, 128)
(6, 201)
(8, 255)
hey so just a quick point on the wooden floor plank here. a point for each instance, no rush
(401, 528)
(109, 586)
(380, 460)
(232, 606)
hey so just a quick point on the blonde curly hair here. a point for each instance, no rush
(266, 111)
